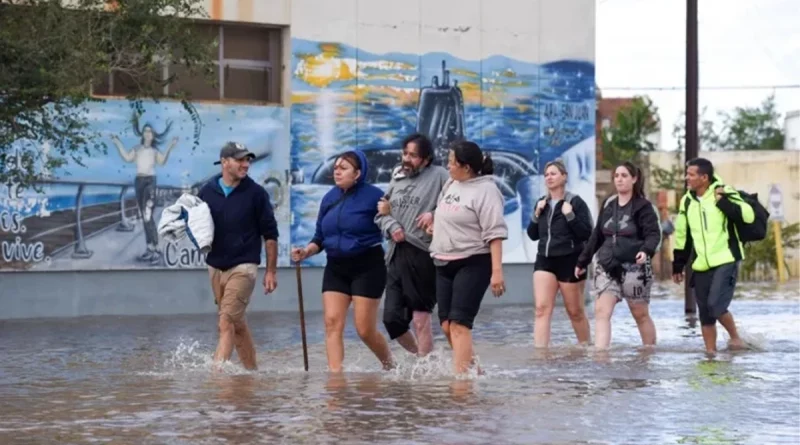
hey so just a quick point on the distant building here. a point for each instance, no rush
(791, 130)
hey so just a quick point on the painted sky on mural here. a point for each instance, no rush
(259, 127)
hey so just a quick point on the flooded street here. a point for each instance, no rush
(148, 380)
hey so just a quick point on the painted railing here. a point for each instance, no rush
(124, 224)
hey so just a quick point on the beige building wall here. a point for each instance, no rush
(270, 12)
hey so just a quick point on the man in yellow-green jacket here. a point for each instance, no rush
(705, 223)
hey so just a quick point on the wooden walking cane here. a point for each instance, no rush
(298, 273)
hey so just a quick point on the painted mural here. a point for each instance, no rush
(344, 95)
(104, 214)
(523, 113)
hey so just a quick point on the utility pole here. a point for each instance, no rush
(692, 140)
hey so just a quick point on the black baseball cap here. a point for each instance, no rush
(236, 151)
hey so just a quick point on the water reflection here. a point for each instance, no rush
(235, 390)
(462, 391)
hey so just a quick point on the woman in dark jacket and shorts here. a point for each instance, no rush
(562, 223)
(355, 270)
(625, 239)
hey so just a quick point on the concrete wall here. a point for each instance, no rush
(515, 76)
(160, 292)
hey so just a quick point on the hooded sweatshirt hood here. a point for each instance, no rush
(346, 220)
(362, 158)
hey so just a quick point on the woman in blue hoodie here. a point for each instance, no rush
(355, 269)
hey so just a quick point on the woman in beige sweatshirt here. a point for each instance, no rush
(467, 247)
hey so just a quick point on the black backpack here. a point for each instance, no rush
(754, 231)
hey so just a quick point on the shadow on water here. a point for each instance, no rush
(149, 380)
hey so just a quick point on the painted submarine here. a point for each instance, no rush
(440, 116)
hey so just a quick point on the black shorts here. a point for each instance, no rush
(460, 287)
(713, 290)
(563, 267)
(410, 287)
(363, 275)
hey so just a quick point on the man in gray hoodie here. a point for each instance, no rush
(404, 215)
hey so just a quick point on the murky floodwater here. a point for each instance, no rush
(147, 380)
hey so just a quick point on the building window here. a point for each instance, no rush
(248, 67)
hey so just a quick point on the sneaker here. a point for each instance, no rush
(155, 259)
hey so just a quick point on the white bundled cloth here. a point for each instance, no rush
(191, 217)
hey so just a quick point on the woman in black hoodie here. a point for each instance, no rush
(625, 239)
(562, 223)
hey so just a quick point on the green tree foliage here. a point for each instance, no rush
(745, 128)
(763, 254)
(627, 137)
(752, 128)
(51, 53)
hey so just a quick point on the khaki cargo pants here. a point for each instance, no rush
(232, 289)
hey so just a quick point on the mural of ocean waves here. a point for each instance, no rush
(379, 121)
(506, 101)
(525, 114)
(53, 198)
(507, 129)
(305, 206)
(318, 134)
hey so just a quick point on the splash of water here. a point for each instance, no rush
(438, 364)
(189, 356)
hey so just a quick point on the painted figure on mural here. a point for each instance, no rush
(146, 155)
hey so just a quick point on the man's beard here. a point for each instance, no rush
(409, 169)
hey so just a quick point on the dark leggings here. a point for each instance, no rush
(460, 287)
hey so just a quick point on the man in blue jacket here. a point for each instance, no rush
(243, 217)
